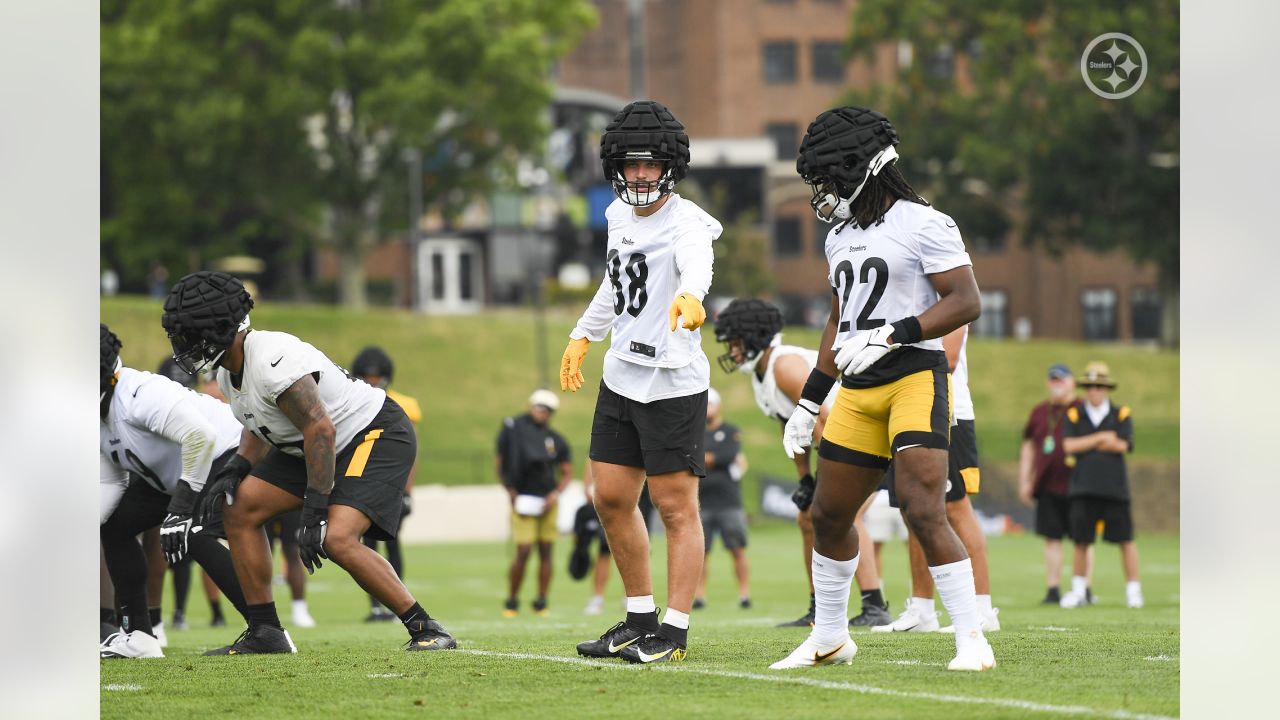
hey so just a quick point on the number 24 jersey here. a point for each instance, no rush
(881, 275)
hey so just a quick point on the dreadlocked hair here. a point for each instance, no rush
(878, 195)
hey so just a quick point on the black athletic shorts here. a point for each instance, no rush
(370, 471)
(1086, 511)
(731, 524)
(1053, 516)
(284, 527)
(662, 436)
(962, 465)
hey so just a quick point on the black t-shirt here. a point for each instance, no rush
(1097, 473)
(719, 490)
(531, 455)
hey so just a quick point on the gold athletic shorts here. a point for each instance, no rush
(868, 425)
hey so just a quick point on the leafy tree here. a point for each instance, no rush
(225, 120)
(1002, 126)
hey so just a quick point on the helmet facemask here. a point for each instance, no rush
(641, 193)
(829, 202)
(197, 352)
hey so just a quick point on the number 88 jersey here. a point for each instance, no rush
(881, 274)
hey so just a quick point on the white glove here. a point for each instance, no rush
(798, 435)
(864, 350)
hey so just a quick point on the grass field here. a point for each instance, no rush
(1102, 661)
(471, 371)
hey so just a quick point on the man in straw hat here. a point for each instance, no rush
(1096, 437)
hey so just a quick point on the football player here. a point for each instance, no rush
(751, 330)
(313, 436)
(374, 366)
(170, 439)
(900, 280)
(963, 480)
(651, 409)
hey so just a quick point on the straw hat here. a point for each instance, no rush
(1096, 373)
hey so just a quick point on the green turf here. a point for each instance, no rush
(468, 372)
(1104, 661)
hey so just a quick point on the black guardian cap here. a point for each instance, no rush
(202, 315)
(108, 361)
(842, 148)
(754, 322)
(645, 129)
(373, 360)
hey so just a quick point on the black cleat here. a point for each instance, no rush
(434, 637)
(380, 614)
(654, 648)
(259, 640)
(612, 642)
(804, 621)
(540, 607)
(872, 615)
(699, 603)
(1052, 596)
(744, 603)
(218, 621)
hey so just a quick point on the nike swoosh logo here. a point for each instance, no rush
(135, 392)
(951, 224)
(614, 649)
(645, 657)
(819, 658)
(277, 362)
(906, 447)
(232, 652)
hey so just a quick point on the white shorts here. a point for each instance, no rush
(884, 522)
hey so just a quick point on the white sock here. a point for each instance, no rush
(300, 605)
(955, 586)
(641, 604)
(984, 604)
(923, 606)
(597, 599)
(1079, 584)
(675, 618)
(1133, 586)
(831, 582)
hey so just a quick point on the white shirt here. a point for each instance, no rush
(881, 274)
(769, 397)
(273, 362)
(650, 261)
(161, 431)
(1099, 413)
(961, 400)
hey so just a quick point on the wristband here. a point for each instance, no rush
(816, 387)
(315, 501)
(907, 331)
(183, 501)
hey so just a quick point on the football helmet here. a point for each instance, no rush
(202, 316)
(374, 361)
(756, 323)
(644, 130)
(841, 150)
(108, 361)
(169, 368)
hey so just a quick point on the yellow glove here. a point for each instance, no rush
(691, 308)
(571, 364)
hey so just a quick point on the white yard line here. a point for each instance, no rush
(125, 686)
(792, 679)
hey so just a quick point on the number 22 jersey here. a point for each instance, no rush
(881, 275)
(273, 362)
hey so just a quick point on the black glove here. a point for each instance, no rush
(406, 506)
(177, 524)
(223, 486)
(315, 524)
(803, 496)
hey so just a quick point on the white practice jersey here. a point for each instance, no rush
(881, 274)
(143, 432)
(961, 400)
(273, 362)
(650, 261)
(769, 397)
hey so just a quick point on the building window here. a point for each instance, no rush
(820, 232)
(785, 137)
(828, 62)
(942, 64)
(984, 244)
(437, 276)
(465, 270)
(994, 321)
(780, 62)
(1144, 307)
(1099, 316)
(786, 237)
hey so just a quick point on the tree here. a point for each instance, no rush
(1000, 122)
(269, 112)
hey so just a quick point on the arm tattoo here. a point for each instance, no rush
(301, 404)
